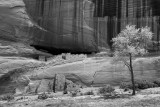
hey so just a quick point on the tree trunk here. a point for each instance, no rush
(132, 74)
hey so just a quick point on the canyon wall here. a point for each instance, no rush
(43, 24)
(88, 25)
(74, 25)
(14, 21)
(67, 24)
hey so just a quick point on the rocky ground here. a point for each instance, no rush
(145, 98)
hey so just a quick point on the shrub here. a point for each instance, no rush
(126, 85)
(21, 98)
(74, 93)
(43, 96)
(107, 89)
(89, 93)
(112, 96)
(144, 84)
(157, 82)
(7, 97)
(139, 84)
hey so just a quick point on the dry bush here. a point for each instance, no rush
(8, 97)
(140, 84)
(89, 93)
(43, 96)
(106, 90)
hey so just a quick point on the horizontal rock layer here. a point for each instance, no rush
(22, 75)
(17, 76)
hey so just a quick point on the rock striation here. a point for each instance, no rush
(40, 24)
(23, 75)
(74, 25)
(17, 76)
(14, 21)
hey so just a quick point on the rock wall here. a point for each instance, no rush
(42, 23)
(67, 24)
(74, 25)
(21, 75)
(88, 25)
(17, 77)
(14, 21)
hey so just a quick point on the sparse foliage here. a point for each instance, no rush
(157, 81)
(74, 93)
(43, 96)
(132, 41)
(139, 84)
(106, 90)
(129, 43)
(89, 93)
(7, 97)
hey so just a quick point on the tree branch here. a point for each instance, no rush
(125, 62)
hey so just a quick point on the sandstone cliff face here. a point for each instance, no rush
(66, 24)
(86, 25)
(74, 25)
(17, 76)
(103, 71)
(22, 75)
(14, 21)
(15, 28)
(47, 23)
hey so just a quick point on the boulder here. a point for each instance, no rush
(46, 85)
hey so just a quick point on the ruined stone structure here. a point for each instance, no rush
(75, 25)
